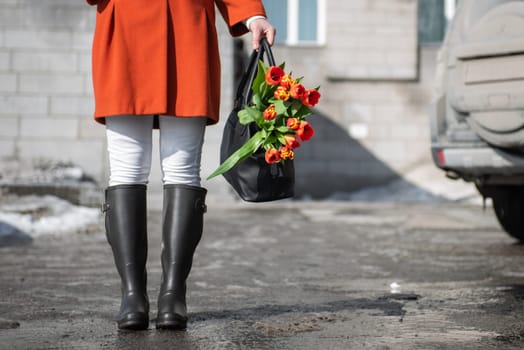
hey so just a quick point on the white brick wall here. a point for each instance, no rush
(9, 129)
(7, 148)
(367, 34)
(84, 62)
(374, 92)
(19, 104)
(90, 155)
(89, 130)
(37, 39)
(49, 128)
(4, 60)
(51, 83)
(27, 61)
(72, 105)
(44, 94)
(368, 72)
(7, 82)
(46, 101)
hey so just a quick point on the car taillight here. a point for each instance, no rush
(441, 159)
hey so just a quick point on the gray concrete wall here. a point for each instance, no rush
(371, 123)
(45, 84)
(46, 100)
(375, 85)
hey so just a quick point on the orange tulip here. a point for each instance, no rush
(286, 153)
(287, 81)
(311, 98)
(272, 156)
(293, 123)
(305, 131)
(291, 141)
(298, 91)
(281, 93)
(270, 113)
(274, 75)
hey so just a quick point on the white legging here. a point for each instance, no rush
(129, 143)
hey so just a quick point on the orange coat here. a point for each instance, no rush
(161, 56)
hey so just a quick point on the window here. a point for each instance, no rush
(298, 22)
(433, 18)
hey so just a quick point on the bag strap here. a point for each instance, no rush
(244, 92)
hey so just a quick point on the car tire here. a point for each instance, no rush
(510, 211)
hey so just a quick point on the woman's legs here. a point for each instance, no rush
(129, 146)
(181, 142)
(184, 206)
(129, 143)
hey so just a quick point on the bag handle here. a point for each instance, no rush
(244, 92)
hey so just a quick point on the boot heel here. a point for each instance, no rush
(134, 321)
(171, 321)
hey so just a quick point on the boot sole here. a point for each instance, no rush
(134, 323)
(173, 322)
(172, 326)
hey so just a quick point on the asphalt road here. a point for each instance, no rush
(292, 275)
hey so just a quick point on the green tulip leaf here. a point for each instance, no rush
(250, 147)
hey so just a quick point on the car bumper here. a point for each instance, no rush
(478, 161)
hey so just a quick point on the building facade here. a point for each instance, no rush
(375, 76)
(374, 60)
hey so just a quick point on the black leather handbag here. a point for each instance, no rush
(254, 179)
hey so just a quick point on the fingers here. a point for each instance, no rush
(255, 39)
(261, 28)
(270, 35)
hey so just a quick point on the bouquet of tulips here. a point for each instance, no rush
(279, 107)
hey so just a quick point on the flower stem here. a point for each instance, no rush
(239, 155)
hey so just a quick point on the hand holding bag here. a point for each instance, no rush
(254, 179)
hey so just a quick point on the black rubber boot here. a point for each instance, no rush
(126, 230)
(184, 208)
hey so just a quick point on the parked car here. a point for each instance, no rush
(477, 116)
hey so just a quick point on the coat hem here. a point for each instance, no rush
(101, 118)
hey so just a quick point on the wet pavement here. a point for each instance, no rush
(289, 275)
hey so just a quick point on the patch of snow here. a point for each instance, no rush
(45, 215)
(395, 288)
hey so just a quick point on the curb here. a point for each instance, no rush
(84, 194)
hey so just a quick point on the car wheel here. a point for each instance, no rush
(510, 212)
